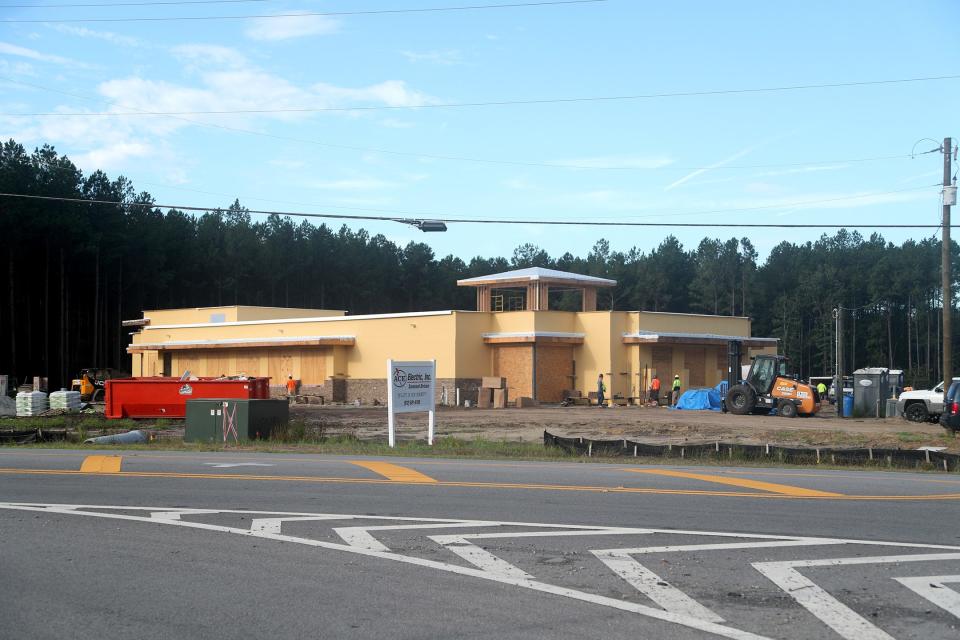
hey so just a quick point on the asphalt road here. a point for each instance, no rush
(176, 545)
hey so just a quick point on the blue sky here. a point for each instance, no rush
(664, 159)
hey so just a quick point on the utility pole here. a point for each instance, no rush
(838, 382)
(946, 270)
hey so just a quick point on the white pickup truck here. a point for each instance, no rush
(922, 405)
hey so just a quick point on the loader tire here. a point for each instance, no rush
(788, 410)
(741, 399)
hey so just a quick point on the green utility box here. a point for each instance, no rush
(234, 420)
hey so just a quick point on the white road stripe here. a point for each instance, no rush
(177, 513)
(360, 538)
(483, 559)
(934, 589)
(799, 542)
(274, 525)
(480, 558)
(650, 612)
(654, 587)
(721, 630)
(828, 609)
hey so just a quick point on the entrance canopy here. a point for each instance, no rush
(532, 286)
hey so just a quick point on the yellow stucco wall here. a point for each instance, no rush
(473, 357)
(274, 313)
(691, 323)
(232, 313)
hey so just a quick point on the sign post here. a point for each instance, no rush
(411, 387)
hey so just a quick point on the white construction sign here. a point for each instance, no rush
(411, 387)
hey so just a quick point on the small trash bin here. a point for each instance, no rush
(847, 405)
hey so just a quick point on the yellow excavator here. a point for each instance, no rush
(91, 382)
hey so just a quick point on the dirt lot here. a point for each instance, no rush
(644, 424)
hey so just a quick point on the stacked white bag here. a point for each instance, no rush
(31, 403)
(63, 399)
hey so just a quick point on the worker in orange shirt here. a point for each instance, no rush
(655, 390)
(291, 387)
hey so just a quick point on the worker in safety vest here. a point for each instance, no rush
(291, 387)
(822, 391)
(655, 390)
(676, 389)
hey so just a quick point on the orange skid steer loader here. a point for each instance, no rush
(768, 386)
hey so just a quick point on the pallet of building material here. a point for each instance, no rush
(525, 403)
(494, 382)
(65, 400)
(499, 398)
(31, 403)
(484, 398)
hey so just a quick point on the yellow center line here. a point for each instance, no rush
(101, 464)
(783, 489)
(395, 472)
(486, 485)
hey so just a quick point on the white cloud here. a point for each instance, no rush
(694, 174)
(446, 58)
(107, 36)
(393, 93)
(112, 156)
(17, 68)
(775, 172)
(617, 162)
(393, 123)
(354, 184)
(207, 55)
(290, 26)
(288, 164)
(223, 79)
(23, 52)
(517, 184)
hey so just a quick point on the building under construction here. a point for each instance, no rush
(543, 353)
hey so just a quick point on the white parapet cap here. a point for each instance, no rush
(534, 334)
(238, 323)
(654, 336)
(226, 342)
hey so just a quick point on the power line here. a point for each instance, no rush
(407, 220)
(475, 7)
(457, 158)
(502, 103)
(447, 217)
(125, 4)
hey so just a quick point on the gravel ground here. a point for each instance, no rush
(645, 424)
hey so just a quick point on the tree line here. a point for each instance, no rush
(75, 270)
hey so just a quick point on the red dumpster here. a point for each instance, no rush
(161, 397)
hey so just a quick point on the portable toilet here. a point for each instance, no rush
(871, 389)
(895, 376)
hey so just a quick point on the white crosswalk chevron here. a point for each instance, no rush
(464, 540)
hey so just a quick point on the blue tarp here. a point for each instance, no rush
(699, 400)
